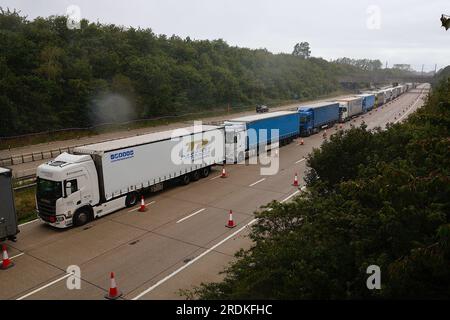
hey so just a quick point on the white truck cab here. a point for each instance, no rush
(65, 186)
(343, 111)
(235, 141)
(101, 178)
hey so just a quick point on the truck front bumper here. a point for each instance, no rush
(60, 221)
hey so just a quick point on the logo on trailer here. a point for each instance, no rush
(122, 155)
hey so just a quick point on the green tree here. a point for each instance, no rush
(302, 50)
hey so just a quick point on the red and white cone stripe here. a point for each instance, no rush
(224, 173)
(295, 184)
(231, 223)
(142, 208)
(113, 293)
(6, 261)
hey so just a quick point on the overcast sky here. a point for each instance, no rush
(396, 31)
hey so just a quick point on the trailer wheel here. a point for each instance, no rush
(185, 179)
(195, 175)
(205, 172)
(131, 199)
(81, 217)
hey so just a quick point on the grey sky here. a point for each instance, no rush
(409, 32)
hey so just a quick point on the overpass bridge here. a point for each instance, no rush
(352, 81)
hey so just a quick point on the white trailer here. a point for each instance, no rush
(101, 178)
(379, 98)
(388, 95)
(349, 107)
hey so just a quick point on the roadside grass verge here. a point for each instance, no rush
(25, 204)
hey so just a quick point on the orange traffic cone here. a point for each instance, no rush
(224, 173)
(113, 293)
(6, 262)
(302, 142)
(142, 208)
(295, 184)
(231, 223)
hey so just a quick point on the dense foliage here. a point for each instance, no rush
(443, 74)
(106, 73)
(383, 198)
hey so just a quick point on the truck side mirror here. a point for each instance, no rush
(68, 189)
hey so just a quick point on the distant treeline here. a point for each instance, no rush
(54, 77)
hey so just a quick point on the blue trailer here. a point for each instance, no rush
(368, 101)
(315, 116)
(245, 136)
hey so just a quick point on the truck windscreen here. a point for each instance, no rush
(47, 189)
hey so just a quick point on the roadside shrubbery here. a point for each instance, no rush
(375, 198)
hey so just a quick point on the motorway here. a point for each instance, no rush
(179, 242)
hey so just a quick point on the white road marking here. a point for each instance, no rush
(13, 257)
(157, 284)
(216, 177)
(43, 287)
(17, 255)
(147, 204)
(191, 215)
(301, 160)
(410, 109)
(192, 261)
(25, 223)
(255, 183)
(292, 195)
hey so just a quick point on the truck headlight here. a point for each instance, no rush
(59, 218)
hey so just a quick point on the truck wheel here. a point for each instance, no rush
(81, 217)
(195, 175)
(131, 200)
(204, 172)
(185, 179)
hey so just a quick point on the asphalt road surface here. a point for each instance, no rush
(179, 242)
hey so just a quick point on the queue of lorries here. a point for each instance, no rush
(98, 179)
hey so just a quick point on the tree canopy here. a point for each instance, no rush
(302, 50)
(105, 73)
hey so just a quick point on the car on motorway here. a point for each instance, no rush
(261, 108)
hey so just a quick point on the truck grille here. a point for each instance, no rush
(46, 211)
